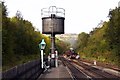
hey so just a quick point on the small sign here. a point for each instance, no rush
(52, 55)
(77, 57)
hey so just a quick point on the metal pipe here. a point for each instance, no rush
(53, 43)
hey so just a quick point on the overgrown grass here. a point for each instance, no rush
(103, 59)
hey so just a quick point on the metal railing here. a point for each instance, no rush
(59, 12)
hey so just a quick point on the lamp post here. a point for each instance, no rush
(42, 47)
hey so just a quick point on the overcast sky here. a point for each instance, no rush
(80, 15)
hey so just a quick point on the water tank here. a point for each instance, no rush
(53, 22)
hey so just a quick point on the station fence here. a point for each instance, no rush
(30, 71)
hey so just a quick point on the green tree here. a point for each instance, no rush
(82, 40)
(112, 32)
(61, 46)
(6, 42)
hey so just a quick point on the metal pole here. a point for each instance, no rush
(56, 62)
(53, 43)
(52, 51)
(41, 58)
(53, 35)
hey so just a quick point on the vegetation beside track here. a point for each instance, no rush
(102, 43)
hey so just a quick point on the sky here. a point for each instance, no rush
(80, 15)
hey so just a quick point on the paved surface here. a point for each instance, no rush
(61, 72)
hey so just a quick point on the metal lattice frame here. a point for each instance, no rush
(46, 12)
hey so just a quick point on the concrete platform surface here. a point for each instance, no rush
(61, 73)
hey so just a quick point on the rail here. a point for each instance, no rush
(86, 71)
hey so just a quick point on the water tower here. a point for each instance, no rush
(53, 23)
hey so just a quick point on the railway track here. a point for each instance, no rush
(104, 65)
(79, 70)
(97, 72)
(75, 72)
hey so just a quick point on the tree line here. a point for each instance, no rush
(102, 43)
(20, 40)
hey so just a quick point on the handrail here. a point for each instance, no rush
(46, 12)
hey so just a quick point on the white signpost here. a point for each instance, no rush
(42, 47)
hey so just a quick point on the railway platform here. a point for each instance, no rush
(60, 72)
